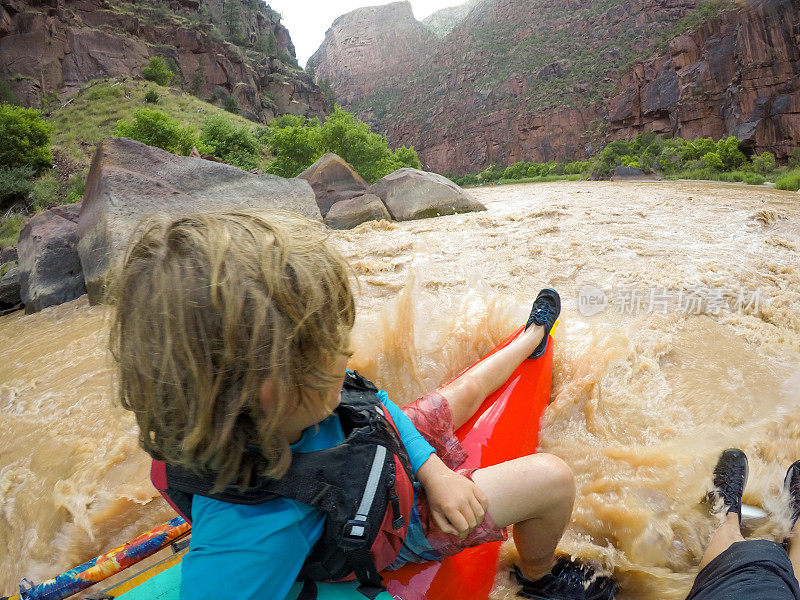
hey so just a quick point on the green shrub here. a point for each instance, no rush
(789, 181)
(45, 192)
(26, 138)
(732, 157)
(406, 156)
(10, 226)
(15, 185)
(151, 97)
(156, 128)
(234, 144)
(491, 174)
(231, 105)
(712, 160)
(156, 70)
(764, 163)
(794, 159)
(102, 91)
(295, 144)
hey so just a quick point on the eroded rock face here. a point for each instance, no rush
(10, 298)
(346, 214)
(49, 267)
(365, 47)
(412, 194)
(129, 181)
(470, 102)
(736, 75)
(333, 180)
(55, 46)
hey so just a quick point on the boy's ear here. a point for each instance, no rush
(266, 393)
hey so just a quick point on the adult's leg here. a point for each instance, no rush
(794, 548)
(465, 395)
(535, 494)
(727, 533)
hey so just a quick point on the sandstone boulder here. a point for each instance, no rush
(412, 194)
(621, 173)
(333, 180)
(346, 214)
(10, 299)
(49, 267)
(129, 181)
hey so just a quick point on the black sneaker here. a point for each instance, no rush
(730, 477)
(567, 581)
(791, 483)
(544, 312)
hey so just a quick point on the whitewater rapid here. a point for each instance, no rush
(680, 336)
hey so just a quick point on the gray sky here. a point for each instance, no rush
(308, 20)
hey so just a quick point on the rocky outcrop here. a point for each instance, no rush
(10, 299)
(129, 181)
(50, 48)
(49, 267)
(412, 194)
(536, 80)
(368, 47)
(738, 74)
(333, 180)
(347, 214)
(443, 21)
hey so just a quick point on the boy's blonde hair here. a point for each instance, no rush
(208, 307)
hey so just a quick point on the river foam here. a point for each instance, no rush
(643, 399)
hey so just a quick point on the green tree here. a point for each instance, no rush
(156, 128)
(156, 70)
(713, 160)
(352, 139)
(26, 138)
(406, 156)
(295, 144)
(231, 105)
(732, 157)
(764, 163)
(223, 138)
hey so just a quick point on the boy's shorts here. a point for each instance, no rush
(425, 541)
(753, 569)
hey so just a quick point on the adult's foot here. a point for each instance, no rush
(568, 580)
(791, 483)
(730, 477)
(544, 312)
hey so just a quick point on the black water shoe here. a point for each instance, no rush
(791, 483)
(730, 477)
(544, 312)
(567, 581)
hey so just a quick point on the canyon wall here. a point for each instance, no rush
(535, 80)
(216, 48)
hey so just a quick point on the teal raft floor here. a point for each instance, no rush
(166, 586)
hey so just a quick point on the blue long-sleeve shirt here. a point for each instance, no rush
(256, 551)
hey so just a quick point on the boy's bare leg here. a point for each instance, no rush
(465, 395)
(535, 494)
(794, 549)
(728, 533)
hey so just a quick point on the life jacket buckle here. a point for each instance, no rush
(355, 533)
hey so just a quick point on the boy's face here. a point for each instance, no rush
(316, 411)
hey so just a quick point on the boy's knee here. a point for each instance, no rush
(557, 474)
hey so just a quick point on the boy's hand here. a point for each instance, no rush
(457, 504)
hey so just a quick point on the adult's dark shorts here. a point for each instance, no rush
(749, 570)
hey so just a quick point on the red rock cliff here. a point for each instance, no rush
(217, 48)
(540, 80)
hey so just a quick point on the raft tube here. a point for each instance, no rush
(506, 426)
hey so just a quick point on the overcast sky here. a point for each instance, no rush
(308, 20)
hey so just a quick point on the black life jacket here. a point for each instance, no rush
(363, 485)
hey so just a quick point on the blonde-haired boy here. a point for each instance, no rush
(232, 338)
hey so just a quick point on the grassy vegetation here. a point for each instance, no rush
(789, 181)
(676, 158)
(10, 226)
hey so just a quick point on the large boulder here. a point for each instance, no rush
(129, 181)
(10, 299)
(349, 213)
(49, 267)
(333, 180)
(412, 194)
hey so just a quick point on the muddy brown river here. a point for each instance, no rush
(680, 336)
